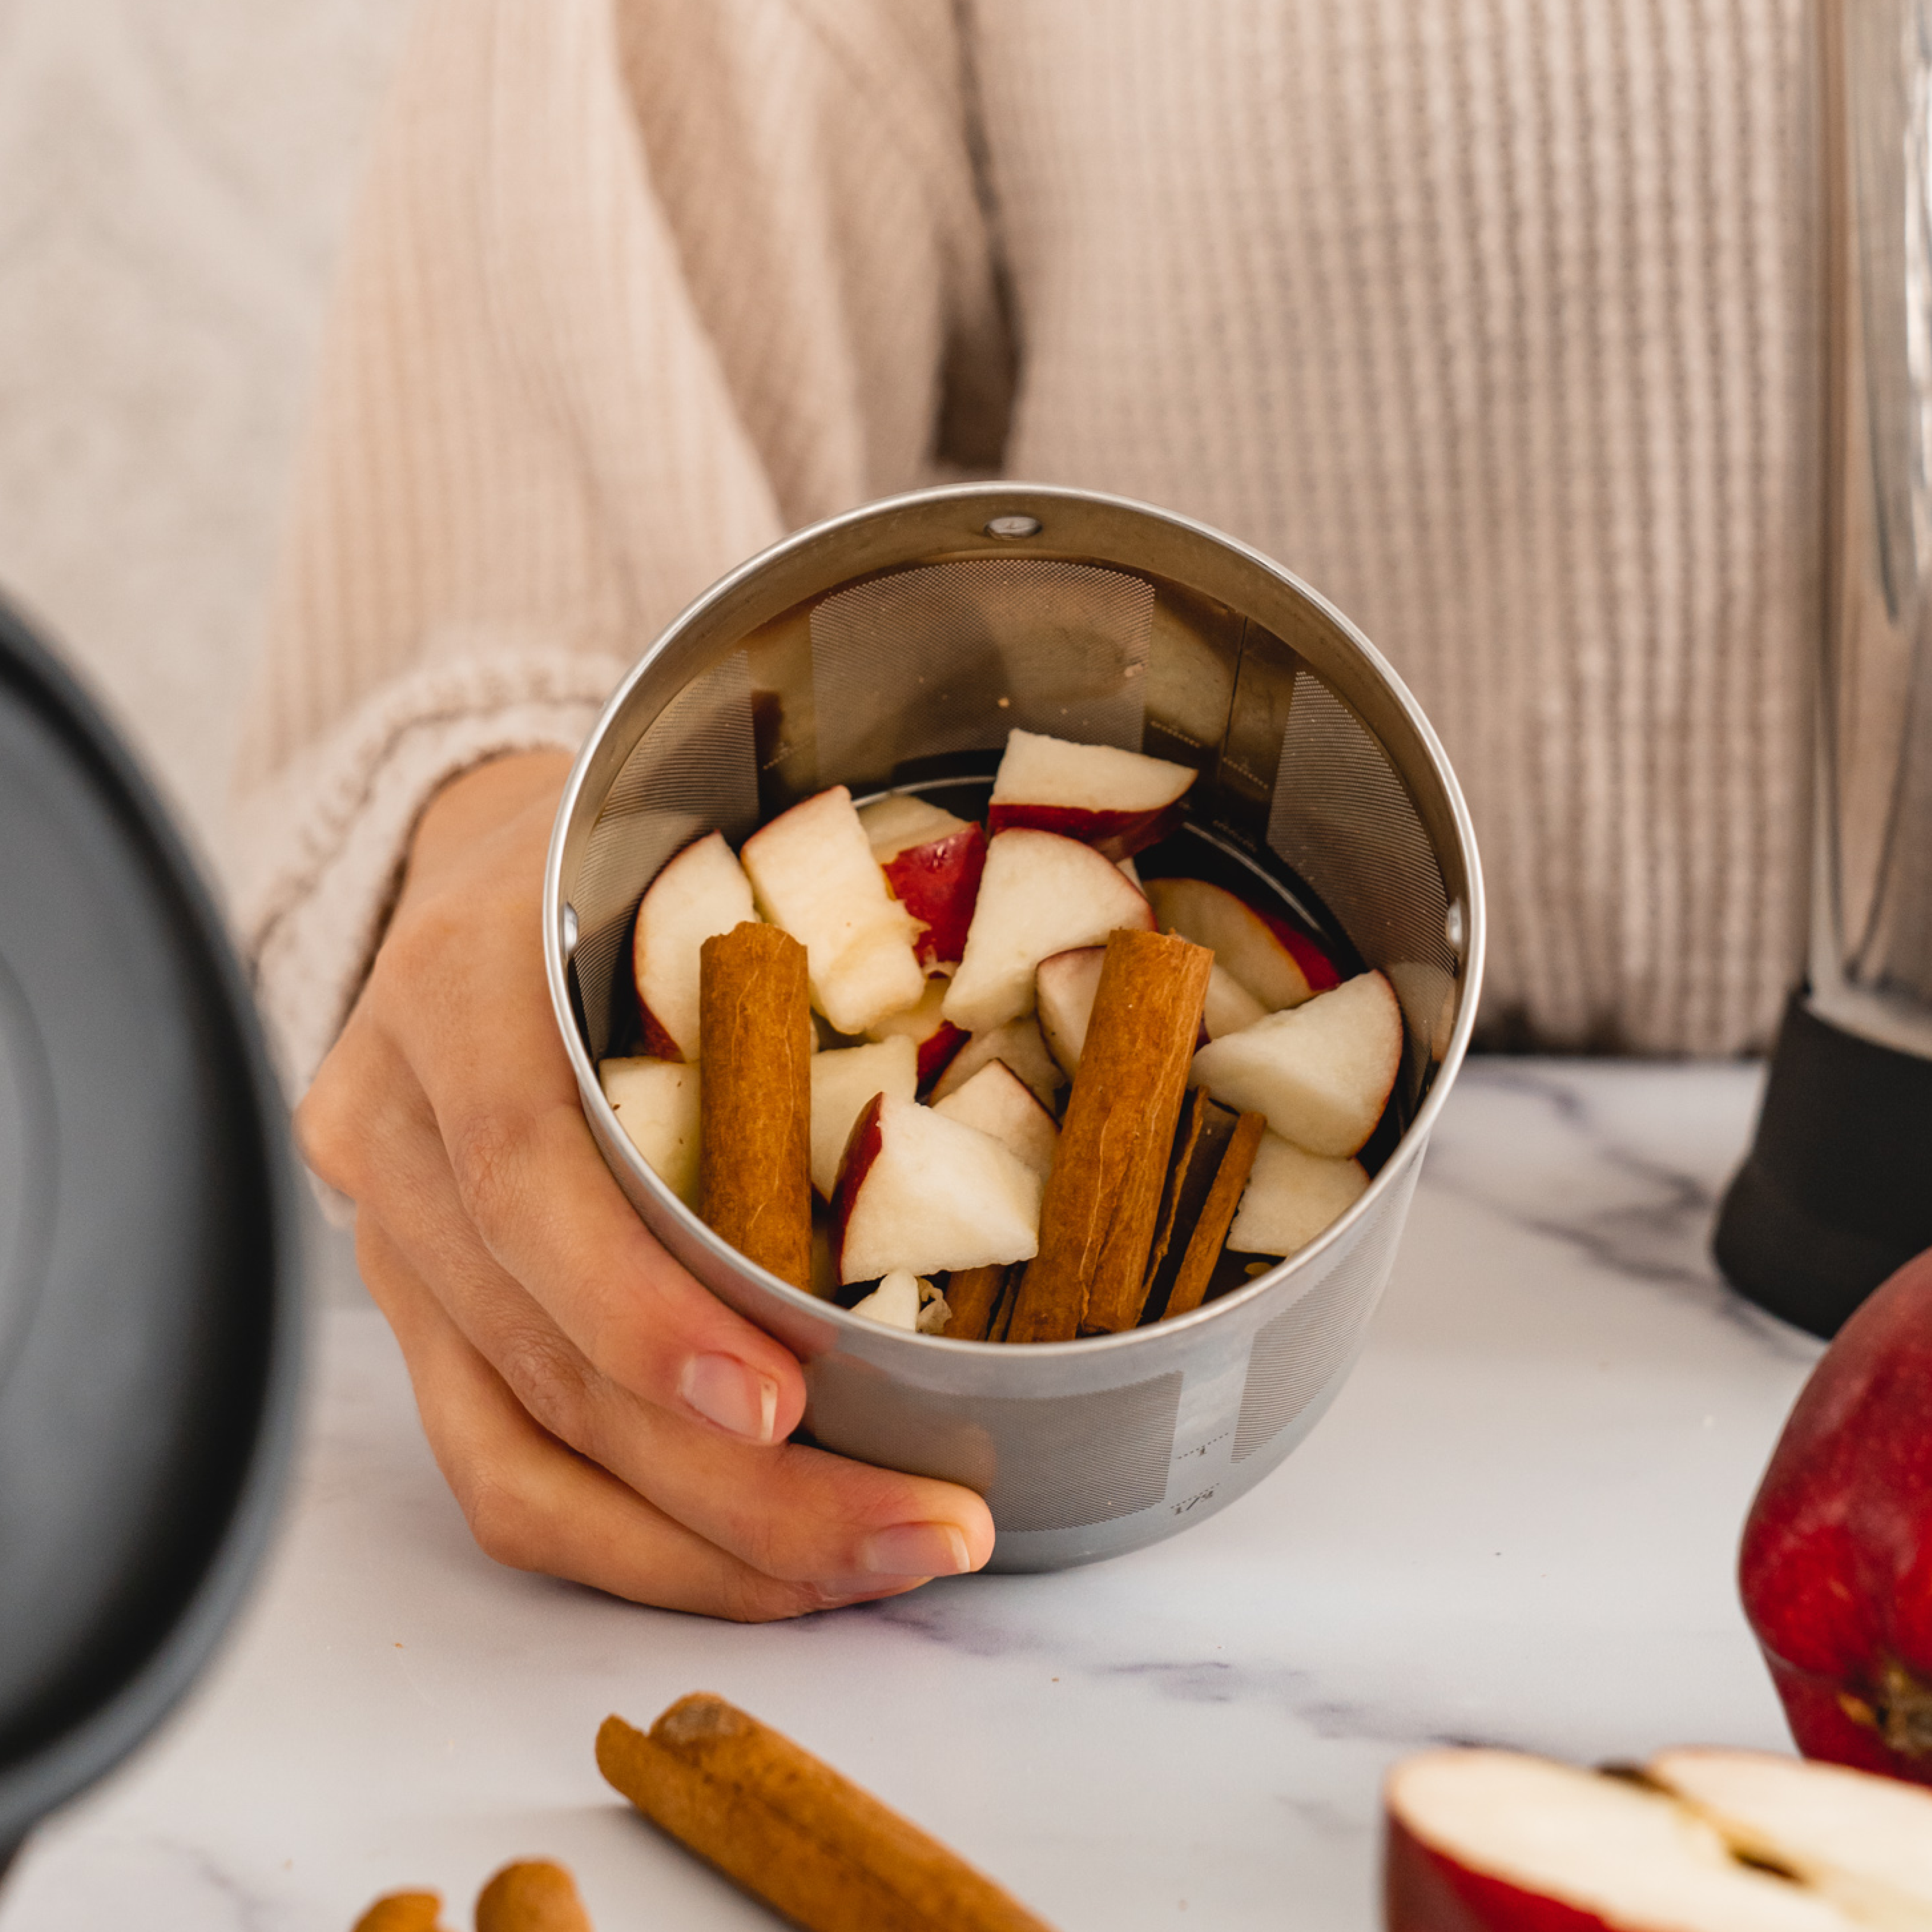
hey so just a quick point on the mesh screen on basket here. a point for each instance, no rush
(949, 657)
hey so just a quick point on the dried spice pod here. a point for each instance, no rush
(532, 1895)
(792, 1832)
(1217, 1216)
(1103, 1197)
(754, 1185)
(403, 1911)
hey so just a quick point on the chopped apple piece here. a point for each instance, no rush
(1018, 1043)
(1322, 1073)
(1292, 1196)
(1266, 955)
(894, 1303)
(1041, 894)
(1119, 802)
(1131, 874)
(902, 819)
(1063, 990)
(700, 893)
(997, 1102)
(814, 874)
(936, 1037)
(1492, 1841)
(842, 1082)
(932, 862)
(919, 1192)
(1231, 1006)
(656, 1104)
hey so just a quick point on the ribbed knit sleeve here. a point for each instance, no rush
(630, 291)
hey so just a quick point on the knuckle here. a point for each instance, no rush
(327, 1130)
(548, 1378)
(746, 1597)
(506, 1525)
(488, 1154)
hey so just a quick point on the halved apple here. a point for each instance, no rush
(1292, 1196)
(842, 1082)
(813, 872)
(1322, 1073)
(1864, 1840)
(1494, 1841)
(997, 1102)
(1119, 802)
(701, 893)
(932, 862)
(936, 1037)
(656, 1104)
(1019, 1044)
(919, 1192)
(1042, 894)
(1265, 954)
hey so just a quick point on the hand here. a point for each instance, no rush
(598, 1414)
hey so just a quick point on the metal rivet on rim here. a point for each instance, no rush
(1014, 527)
(570, 928)
(1452, 926)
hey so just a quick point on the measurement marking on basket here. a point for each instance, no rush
(1201, 1448)
(1181, 1509)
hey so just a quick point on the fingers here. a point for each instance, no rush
(533, 1504)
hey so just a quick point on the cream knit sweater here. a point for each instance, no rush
(1493, 319)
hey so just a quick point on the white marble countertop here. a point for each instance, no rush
(1517, 1524)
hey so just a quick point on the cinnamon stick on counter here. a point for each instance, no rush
(789, 1830)
(403, 1911)
(533, 1896)
(1097, 1223)
(973, 1296)
(1217, 1215)
(755, 1172)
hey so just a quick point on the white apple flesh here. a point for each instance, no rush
(1041, 894)
(997, 1102)
(1292, 1196)
(934, 1036)
(1492, 1841)
(701, 893)
(842, 1082)
(1322, 1073)
(1019, 1043)
(903, 820)
(1064, 989)
(1264, 955)
(1119, 803)
(656, 1104)
(919, 1192)
(814, 874)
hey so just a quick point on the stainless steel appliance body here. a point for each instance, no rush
(895, 647)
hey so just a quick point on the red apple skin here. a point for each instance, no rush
(861, 1148)
(936, 1050)
(658, 1045)
(938, 882)
(1836, 1566)
(1424, 1891)
(1317, 968)
(1115, 835)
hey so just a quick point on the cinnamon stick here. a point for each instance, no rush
(1199, 1142)
(791, 1831)
(403, 1911)
(1096, 1223)
(532, 1896)
(1210, 1231)
(755, 1172)
(973, 1296)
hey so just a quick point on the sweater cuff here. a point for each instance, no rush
(321, 846)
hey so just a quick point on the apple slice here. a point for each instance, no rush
(1274, 962)
(936, 1037)
(842, 1082)
(1041, 894)
(919, 1191)
(656, 1104)
(932, 862)
(902, 1301)
(1291, 1195)
(1231, 1007)
(997, 1102)
(1063, 988)
(1322, 1073)
(814, 874)
(1019, 1044)
(700, 893)
(1492, 1841)
(1864, 1840)
(1119, 802)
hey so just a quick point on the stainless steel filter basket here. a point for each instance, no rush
(894, 648)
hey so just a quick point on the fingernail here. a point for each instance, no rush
(730, 1392)
(917, 1550)
(835, 1591)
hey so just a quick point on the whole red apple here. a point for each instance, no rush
(1836, 1569)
